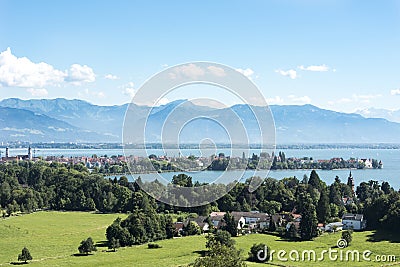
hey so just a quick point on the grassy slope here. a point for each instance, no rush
(52, 238)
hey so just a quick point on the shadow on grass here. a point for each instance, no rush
(202, 253)
(102, 244)
(284, 239)
(18, 263)
(81, 254)
(382, 235)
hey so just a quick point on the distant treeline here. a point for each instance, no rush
(27, 186)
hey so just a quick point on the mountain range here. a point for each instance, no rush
(62, 120)
(390, 115)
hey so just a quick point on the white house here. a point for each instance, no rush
(334, 226)
(354, 221)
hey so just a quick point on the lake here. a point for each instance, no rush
(389, 157)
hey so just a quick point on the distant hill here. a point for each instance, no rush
(25, 125)
(72, 120)
(390, 115)
(79, 113)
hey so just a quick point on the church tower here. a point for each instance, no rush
(30, 153)
(350, 182)
(6, 152)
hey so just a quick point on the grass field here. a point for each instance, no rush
(53, 238)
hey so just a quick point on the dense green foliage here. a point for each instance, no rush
(87, 246)
(28, 186)
(143, 225)
(230, 224)
(347, 235)
(221, 252)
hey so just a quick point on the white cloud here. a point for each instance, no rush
(274, 100)
(22, 72)
(365, 98)
(78, 74)
(288, 73)
(300, 99)
(217, 71)
(37, 92)
(395, 92)
(187, 71)
(246, 72)
(129, 89)
(319, 68)
(111, 77)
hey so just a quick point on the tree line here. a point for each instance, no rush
(26, 186)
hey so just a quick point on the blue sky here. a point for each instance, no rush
(340, 55)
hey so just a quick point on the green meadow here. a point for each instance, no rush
(53, 239)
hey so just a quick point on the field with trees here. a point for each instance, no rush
(53, 239)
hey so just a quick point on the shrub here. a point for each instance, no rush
(256, 256)
(153, 245)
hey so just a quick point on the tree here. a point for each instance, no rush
(113, 244)
(308, 223)
(221, 237)
(391, 220)
(292, 232)
(272, 225)
(315, 181)
(182, 180)
(270, 207)
(323, 210)
(87, 246)
(347, 235)
(25, 255)
(169, 227)
(221, 252)
(192, 228)
(230, 224)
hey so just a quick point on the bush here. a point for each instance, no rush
(281, 231)
(256, 256)
(346, 235)
(153, 245)
(25, 255)
(87, 246)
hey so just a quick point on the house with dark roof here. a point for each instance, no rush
(201, 222)
(354, 221)
(252, 219)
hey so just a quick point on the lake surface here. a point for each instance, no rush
(389, 157)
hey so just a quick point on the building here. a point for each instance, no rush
(334, 226)
(354, 221)
(7, 157)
